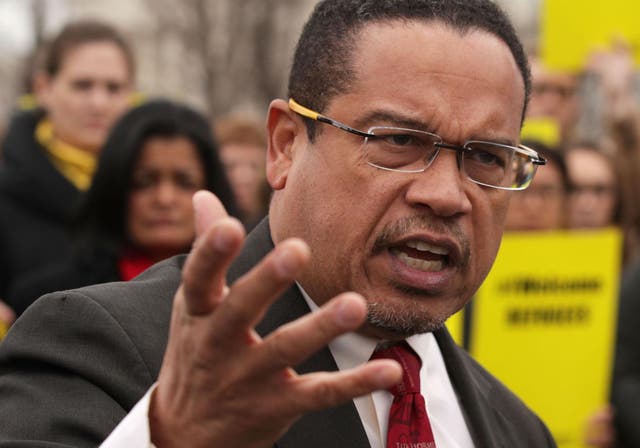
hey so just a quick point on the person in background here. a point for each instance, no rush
(138, 210)
(542, 206)
(594, 199)
(619, 424)
(554, 96)
(243, 150)
(49, 154)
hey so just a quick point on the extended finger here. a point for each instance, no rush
(250, 295)
(207, 209)
(321, 390)
(203, 275)
(294, 342)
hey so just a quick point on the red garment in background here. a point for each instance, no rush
(132, 263)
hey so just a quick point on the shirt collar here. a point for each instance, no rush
(353, 349)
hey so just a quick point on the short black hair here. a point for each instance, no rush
(102, 216)
(323, 64)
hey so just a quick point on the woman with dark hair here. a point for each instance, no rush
(542, 206)
(138, 210)
(595, 189)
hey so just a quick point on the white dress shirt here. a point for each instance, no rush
(351, 350)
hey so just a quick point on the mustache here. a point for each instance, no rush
(397, 230)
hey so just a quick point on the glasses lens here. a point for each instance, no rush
(400, 149)
(497, 165)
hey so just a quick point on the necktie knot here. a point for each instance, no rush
(409, 424)
(410, 363)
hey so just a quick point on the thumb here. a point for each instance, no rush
(207, 210)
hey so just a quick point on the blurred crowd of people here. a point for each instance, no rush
(587, 126)
(95, 185)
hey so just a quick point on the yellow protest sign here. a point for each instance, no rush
(572, 29)
(544, 321)
(455, 325)
(542, 129)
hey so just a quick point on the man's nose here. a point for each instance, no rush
(441, 187)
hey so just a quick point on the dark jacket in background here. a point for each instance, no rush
(625, 395)
(36, 204)
(83, 268)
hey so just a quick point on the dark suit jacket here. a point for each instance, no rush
(76, 362)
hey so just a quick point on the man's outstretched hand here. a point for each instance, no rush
(222, 385)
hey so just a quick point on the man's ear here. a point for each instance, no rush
(285, 131)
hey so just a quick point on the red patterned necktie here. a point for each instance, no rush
(409, 425)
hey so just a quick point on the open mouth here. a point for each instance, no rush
(421, 255)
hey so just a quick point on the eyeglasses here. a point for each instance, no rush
(402, 150)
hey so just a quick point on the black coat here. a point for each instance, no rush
(36, 204)
(86, 266)
(76, 363)
(625, 395)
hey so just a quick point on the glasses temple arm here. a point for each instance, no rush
(308, 113)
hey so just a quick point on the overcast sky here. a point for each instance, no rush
(16, 32)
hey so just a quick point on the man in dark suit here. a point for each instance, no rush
(222, 349)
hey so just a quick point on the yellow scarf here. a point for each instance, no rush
(76, 165)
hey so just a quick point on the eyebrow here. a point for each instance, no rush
(502, 141)
(391, 118)
(399, 120)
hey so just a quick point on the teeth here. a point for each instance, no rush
(423, 265)
(425, 247)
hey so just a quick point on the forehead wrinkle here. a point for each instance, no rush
(441, 116)
(392, 118)
(456, 115)
(487, 121)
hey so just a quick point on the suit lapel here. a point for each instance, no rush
(340, 426)
(487, 426)
(334, 427)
